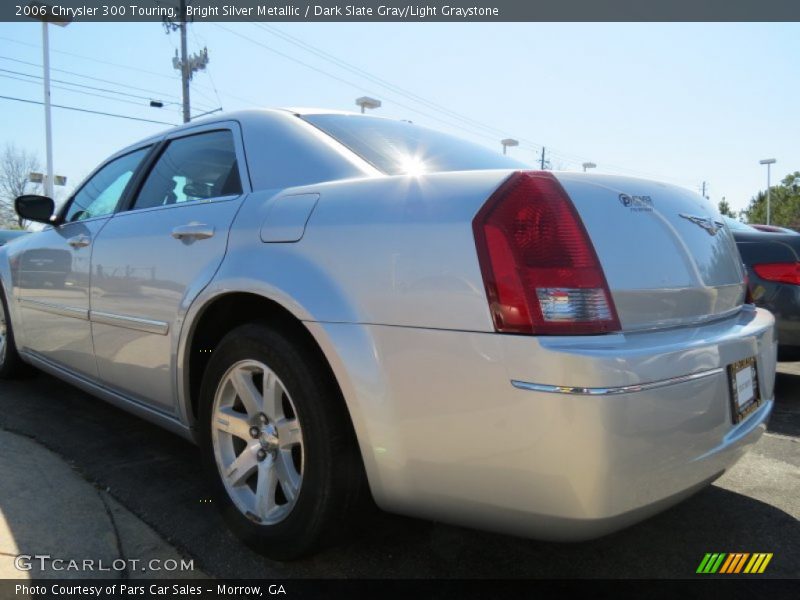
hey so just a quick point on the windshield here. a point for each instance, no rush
(402, 148)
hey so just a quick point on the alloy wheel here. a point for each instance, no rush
(258, 442)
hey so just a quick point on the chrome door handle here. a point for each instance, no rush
(79, 241)
(193, 231)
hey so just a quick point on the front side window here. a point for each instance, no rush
(197, 167)
(99, 196)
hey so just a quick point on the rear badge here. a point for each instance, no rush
(637, 203)
(710, 225)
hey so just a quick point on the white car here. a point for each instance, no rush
(338, 306)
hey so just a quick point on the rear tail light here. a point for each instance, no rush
(539, 267)
(780, 272)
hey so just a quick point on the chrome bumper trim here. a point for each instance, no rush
(610, 391)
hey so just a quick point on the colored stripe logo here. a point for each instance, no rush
(734, 563)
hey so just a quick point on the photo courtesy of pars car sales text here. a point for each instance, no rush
(132, 589)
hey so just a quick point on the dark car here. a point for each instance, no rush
(773, 266)
(6, 235)
(773, 228)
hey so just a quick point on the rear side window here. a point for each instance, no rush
(197, 167)
(400, 147)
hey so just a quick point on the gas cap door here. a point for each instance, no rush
(287, 217)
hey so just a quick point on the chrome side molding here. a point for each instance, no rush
(137, 323)
(95, 316)
(55, 309)
(611, 391)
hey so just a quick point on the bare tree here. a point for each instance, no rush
(16, 165)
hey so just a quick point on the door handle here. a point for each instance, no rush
(79, 241)
(193, 231)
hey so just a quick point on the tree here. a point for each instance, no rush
(784, 203)
(725, 209)
(16, 165)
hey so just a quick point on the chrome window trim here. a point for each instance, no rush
(137, 323)
(177, 205)
(55, 309)
(612, 391)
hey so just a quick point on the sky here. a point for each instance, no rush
(683, 103)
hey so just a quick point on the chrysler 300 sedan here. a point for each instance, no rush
(339, 307)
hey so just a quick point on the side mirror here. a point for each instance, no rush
(35, 208)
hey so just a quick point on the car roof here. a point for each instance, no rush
(243, 117)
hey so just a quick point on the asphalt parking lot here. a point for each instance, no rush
(755, 507)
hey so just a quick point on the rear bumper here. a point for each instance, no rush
(445, 434)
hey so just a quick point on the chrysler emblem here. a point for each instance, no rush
(707, 223)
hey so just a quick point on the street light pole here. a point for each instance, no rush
(588, 165)
(508, 143)
(769, 162)
(44, 14)
(366, 102)
(48, 129)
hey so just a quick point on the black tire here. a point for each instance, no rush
(333, 480)
(11, 365)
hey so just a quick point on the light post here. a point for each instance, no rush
(366, 102)
(509, 143)
(588, 165)
(769, 162)
(44, 13)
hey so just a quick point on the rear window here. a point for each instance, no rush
(736, 225)
(400, 147)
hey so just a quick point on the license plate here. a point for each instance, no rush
(743, 380)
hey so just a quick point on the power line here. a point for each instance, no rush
(569, 157)
(86, 110)
(91, 94)
(350, 83)
(208, 69)
(380, 81)
(81, 85)
(100, 79)
(91, 58)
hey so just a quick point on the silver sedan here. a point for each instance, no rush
(341, 308)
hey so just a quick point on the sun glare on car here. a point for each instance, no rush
(412, 165)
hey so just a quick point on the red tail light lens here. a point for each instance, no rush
(781, 272)
(541, 272)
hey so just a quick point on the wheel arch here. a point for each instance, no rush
(209, 322)
(335, 355)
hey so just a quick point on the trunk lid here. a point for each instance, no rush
(667, 256)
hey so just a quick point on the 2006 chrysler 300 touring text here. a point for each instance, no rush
(335, 306)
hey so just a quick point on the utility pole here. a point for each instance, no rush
(542, 161)
(704, 190)
(187, 113)
(186, 64)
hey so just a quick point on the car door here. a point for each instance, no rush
(154, 257)
(53, 272)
